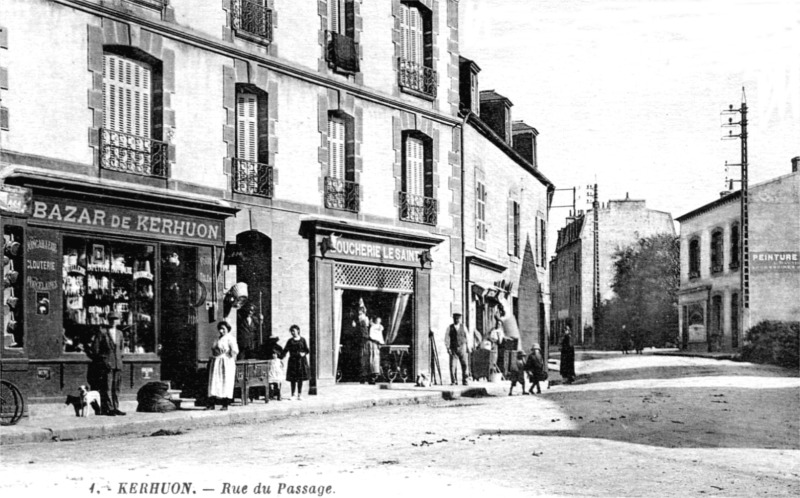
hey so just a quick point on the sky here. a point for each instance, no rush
(628, 93)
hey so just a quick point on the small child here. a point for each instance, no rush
(535, 367)
(517, 372)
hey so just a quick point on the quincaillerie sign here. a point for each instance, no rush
(782, 261)
(76, 214)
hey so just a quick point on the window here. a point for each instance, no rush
(543, 242)
(735, 248)
(575, 262)
(475, 97)
(716, 251)
(341, 191)
(513, 228)
(342, 50)
(480, 214)
(417, 202)
(735, 320)
(252, 20)
(127, 141)
(416, 73)
(694, 258)
(251, 169)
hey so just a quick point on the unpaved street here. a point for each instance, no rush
(679, 435)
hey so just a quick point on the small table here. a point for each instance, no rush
(252, 373)
(392, 356)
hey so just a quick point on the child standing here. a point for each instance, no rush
(536, 368)
(517, 372)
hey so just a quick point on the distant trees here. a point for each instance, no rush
(646, 280)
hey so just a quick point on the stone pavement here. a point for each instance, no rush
(57, 422)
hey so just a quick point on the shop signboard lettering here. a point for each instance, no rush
(376, 251)
(77, 214)
(776, 261)
(15, 200)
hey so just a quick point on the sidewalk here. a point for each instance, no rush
(57, 422)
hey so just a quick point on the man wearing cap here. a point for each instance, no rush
(105, 371)
(457, 343)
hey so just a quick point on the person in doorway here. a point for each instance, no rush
(105, 371)
(248, 325)
(495, 337)
(536, 368)
(567, 367)
(516, 372)
(625, 340)
(456, 341)
(222, 368)
(297, 366)
(370, 352)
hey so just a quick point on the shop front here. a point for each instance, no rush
(694, 318)
(385, 273)
(75, 257)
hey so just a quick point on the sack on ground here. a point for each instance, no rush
(154, 397)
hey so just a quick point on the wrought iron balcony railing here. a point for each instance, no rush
(341, 194)
(342, 52)
(132, 154)
(251, 17)
(418, 209)
(417, 78)
(694, 274)
(734, 265)
(156, 4)
(252, 178)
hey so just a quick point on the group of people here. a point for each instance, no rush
(626, 340)
(222, 365)
(371, 333)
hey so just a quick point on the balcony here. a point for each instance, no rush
(734, 265)
(132, 154)
(416, 78)
(341, 52)
(252, 178)
(717, 268)
(694, 274)
(418, 209)
(252, 20)
(341, 194)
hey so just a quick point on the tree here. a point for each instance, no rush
(646, 280)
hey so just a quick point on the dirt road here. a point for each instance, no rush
(724, 435)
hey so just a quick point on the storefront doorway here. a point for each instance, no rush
(395, 311)
(182, 294)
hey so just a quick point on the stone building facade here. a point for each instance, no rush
(713, 314)
(620, 223)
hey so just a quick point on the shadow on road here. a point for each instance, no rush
(686, 417)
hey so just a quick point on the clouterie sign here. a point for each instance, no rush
(76, 214)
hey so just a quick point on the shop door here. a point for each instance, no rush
(181, 294)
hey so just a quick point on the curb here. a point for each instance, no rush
(199, 419)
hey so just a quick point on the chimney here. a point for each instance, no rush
(525, 141)
(468, 86)
(795, 164)
(496, 113)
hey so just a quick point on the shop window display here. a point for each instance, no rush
(101, 277)
(12, 287)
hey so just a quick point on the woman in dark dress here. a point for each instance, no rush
(297, 367)
(567, 369)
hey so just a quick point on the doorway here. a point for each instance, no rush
(181, 294)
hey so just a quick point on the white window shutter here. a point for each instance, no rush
(415, 47)
(404, 31)
(247, 126)
(336, 16)
(126, 95)
(415, 167)
(336, 148)
(510, 225)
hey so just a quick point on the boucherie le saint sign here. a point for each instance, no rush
(374, 250)
(124, 220)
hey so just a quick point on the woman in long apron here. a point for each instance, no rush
(222, 368)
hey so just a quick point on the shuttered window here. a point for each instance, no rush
(336, 16)
(415, 167)
(480, 213)
(126, 95)
(513, 228)
(411, 34)
(543, 243)
(247, 127)
(336, 141)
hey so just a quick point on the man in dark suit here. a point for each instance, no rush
(105, 371)
(457, 343)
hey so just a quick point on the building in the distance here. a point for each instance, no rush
(713, 313)
(620, 224)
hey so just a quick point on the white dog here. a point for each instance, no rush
(422, 380)
(85, 403)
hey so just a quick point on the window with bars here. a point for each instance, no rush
(341, 190)
(513, 228)
(342, 51)
(416, 50)
(480, 214)
(716, 251)
(252, 172)
(417, 202)
(127, 137)
(336, 140)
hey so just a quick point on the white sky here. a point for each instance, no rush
(630, 91)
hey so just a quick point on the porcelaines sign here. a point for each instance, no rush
(374, 250)
(168, 226)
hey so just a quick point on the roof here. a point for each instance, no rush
(521, 126)
(492, 96)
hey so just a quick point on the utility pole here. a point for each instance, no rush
(744, 247)
(596, 261)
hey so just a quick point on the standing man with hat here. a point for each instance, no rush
(105, 371)
(457, 343)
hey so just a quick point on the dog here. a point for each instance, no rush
(422, 380)
(85, 403)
